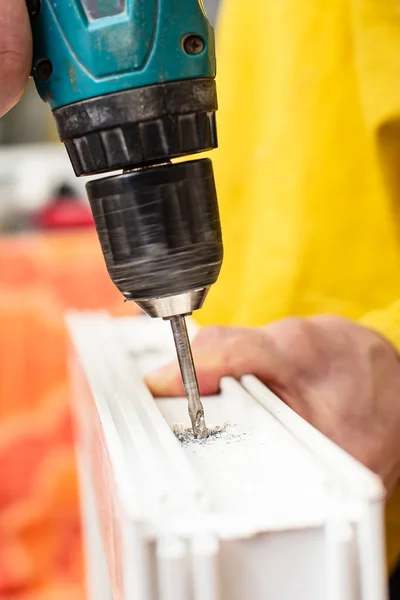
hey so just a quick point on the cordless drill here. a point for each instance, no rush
(131, 86)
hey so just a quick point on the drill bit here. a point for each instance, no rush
(188, 372)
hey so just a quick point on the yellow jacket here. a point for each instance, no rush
(308, 169)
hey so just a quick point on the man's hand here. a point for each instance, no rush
(342, 378)
(15, 52)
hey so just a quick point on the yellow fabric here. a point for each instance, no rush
(308, 169)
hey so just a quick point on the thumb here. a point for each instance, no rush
(220, 352)
(15, 52)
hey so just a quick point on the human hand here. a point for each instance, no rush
(15, 52)
(342, 378)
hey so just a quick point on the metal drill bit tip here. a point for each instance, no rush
(188, 372)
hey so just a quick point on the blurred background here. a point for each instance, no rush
(50, 262)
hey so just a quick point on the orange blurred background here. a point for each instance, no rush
(41, 276)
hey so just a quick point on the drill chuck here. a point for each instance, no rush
(160, 231)
(139, 126)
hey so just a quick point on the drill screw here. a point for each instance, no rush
(44, 69)
(193, 44)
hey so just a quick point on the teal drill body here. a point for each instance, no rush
(98, 47)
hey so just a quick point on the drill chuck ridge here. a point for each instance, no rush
(139, 126)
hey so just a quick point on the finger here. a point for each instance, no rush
(221, 352)
(15, 52)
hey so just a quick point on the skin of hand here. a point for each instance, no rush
(341, 377)
(15, 52)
